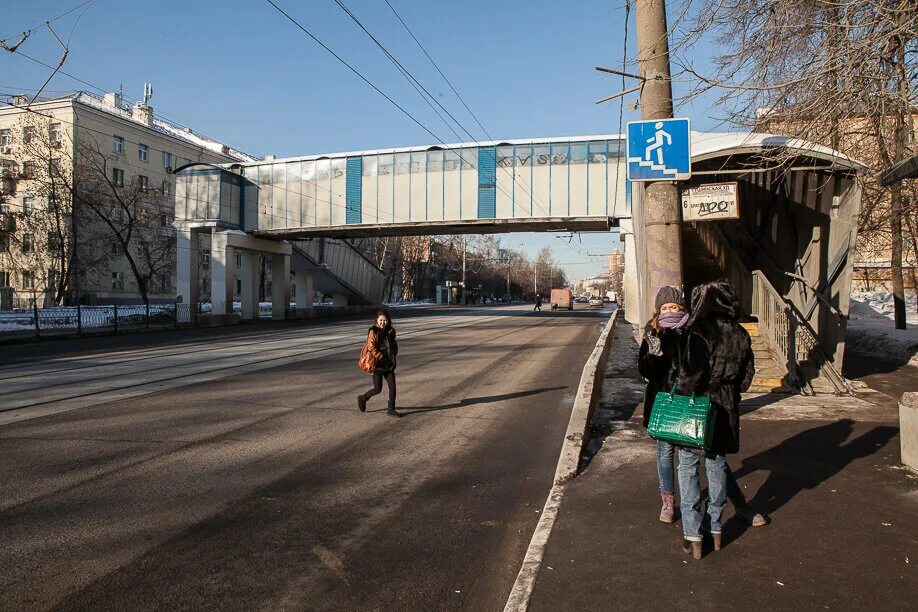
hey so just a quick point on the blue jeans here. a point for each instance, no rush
(690, 492)
(665, 471)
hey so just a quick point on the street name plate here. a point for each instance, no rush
(711, 202)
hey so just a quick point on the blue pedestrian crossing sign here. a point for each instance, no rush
(659, 150)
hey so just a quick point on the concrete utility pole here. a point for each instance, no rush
(662, 216)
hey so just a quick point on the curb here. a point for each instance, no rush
(568, 462)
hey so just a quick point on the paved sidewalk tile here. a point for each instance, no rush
(843, 531)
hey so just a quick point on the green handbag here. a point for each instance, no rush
(682, 420)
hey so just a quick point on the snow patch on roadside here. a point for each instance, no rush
(871, 330)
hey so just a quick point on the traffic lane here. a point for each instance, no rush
(37, 390)
(92, 441)
(89, 346)
(64, 540)
(441, 501)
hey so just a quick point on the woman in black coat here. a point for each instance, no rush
(383, 350)
(718, 363)
(658, 362)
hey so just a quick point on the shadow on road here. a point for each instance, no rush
(472, 401)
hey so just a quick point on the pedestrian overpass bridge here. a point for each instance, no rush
(788, 253)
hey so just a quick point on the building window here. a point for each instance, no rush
(28, 169)
(28, 279)
(55, 134)
(28, 134)
(143, 152)
(238, 259)
(167, 160)
(118, 177)
(6, 140)
(28, 205)
(27, 243)
(53, 202)
(4, 279)
(117, 280)
(167, 188)
(238, 286)
(205, 260)
(165, 219)
(143, 181)
(52, 278)
(116, 249)
(54, 242)
(117, 145)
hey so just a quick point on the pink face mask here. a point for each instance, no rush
(672, 320)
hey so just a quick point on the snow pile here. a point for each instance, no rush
(871, 330)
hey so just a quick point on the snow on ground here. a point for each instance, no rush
(871, 330)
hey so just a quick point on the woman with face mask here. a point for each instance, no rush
(658, 362)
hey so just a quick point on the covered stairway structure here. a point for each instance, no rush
(789, 254)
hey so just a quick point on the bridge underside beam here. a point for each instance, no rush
(426, 228)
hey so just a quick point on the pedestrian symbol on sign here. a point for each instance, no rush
(659, 150)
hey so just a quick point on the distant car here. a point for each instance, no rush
(582, 299)
(595, 302)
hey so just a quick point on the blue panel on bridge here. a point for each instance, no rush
(487, 183)
(354, 190)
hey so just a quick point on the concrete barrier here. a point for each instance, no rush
(908, 429)
(576, 436)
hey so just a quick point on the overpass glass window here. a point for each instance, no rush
(504, 157)
(469, 159)
(385, 164)
(434, 161)
(338, 166)
(523, 156)
(369, 165)
(402, 163)
(451, 161)
(616, 148)
(598, 152)
(559, 154)
(418, 162)
(578, 153)
(541, 155)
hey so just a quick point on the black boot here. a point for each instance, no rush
(391, 412)
(362, 403)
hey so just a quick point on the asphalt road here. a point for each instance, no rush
(233, 470)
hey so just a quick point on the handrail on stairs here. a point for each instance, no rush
(783, 327)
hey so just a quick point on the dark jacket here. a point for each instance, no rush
(383, 348)
(718, 360)
(660, 371)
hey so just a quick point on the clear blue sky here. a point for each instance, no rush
(240, 72)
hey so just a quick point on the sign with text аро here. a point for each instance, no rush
(710, 202)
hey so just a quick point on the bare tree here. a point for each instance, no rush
(836, 72)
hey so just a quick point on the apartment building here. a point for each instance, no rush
(87, 198)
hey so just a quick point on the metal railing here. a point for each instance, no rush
(781, 324)
(77, 320)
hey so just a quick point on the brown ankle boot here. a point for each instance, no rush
(666, 512)
(692, 548)
(717, 540)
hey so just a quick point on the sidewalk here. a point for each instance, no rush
(844, 513)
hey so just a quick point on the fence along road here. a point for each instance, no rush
(48, 387)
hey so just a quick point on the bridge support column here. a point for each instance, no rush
(222, 264)
(305, 288)
(280, 286)
(187, 247)
(248, 273)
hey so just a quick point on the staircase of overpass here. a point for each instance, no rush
(340, 268)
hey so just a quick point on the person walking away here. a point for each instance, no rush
(717, 363)
(659, 360)
(538, 304)
(383, 353)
